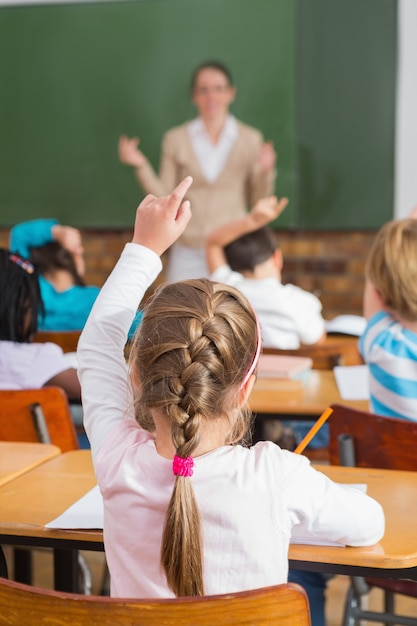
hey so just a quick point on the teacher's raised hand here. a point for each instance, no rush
(129, 153)
(267, 156)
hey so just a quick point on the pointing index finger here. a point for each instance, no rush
(177, 196)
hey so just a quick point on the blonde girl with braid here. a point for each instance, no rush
(189, 507)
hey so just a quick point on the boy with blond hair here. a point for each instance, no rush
(389, 343)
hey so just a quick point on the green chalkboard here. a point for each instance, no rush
(317, 77)
(75, 76)
(346, 86)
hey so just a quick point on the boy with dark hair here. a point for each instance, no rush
(245, 254)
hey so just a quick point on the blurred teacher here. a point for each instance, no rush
(230, 164)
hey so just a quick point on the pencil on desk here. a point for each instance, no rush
(313, 430)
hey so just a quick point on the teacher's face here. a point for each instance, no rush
(212, 93)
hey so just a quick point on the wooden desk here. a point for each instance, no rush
(334, 350)
(53, 486)
(30, 501)
(395, 556)
(16, 458)
(292, 397)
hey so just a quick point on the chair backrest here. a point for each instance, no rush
(18, 410)
(333, 351)
(67, 339)
(286, 605)
(378, 441)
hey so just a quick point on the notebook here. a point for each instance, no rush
(282, 366)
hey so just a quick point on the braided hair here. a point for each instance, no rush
(195, 344)
(20, 298)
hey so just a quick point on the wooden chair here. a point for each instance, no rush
(67, 339)
(286, 605)
(362, 439)
(21, 413)
(39, 415)
(335, 350)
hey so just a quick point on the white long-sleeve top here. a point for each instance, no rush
(251, 500)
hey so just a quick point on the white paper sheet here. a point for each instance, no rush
(352, 381)
(87, 512)
(347, 325)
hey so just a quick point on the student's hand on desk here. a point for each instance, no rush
(160, 221)
(129, 153)
(266, 210)
(267, 156)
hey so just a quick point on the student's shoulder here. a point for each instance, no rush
(379, 331)
(379, 322)
(300, 295)
(268, 456)
(225, 274)
(88, 292)
(75, 293)
(33, 353)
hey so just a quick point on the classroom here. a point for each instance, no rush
(331, 83)
(337, 183)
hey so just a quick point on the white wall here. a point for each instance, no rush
(406, 124)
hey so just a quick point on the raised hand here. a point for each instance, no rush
(129, 154)
(267, 156)
(160, 221)
(267, 209)
(68, 237)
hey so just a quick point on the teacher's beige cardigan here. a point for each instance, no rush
(241, 183)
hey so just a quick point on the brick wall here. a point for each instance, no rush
(330, 264)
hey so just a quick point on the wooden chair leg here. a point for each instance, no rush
(22, 562)
(3, 565)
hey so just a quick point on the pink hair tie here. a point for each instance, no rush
(183, 466)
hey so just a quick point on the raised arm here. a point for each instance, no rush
(261, 182)
(32, 234)
(263, 212)
(102, 368)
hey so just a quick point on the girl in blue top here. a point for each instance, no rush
(58, 253)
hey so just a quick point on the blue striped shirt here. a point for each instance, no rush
(390, 350)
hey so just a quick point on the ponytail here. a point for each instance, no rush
(181, 551)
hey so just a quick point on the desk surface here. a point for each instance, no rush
(53, 486)
(292, 397)
(16, 458)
